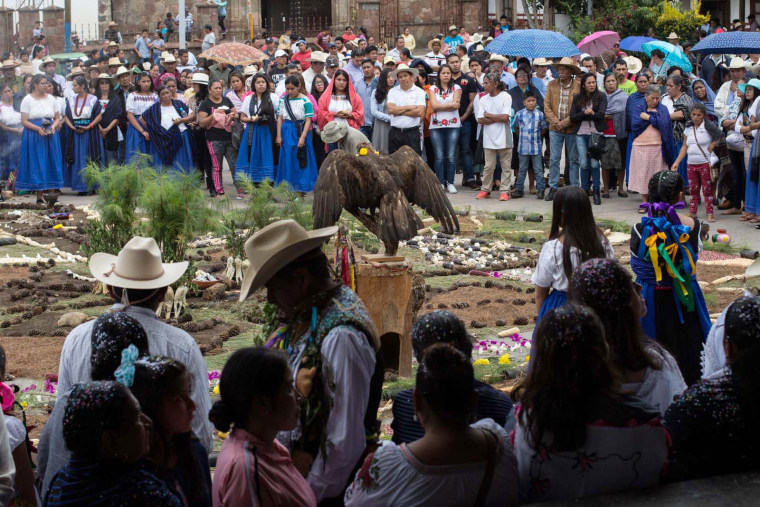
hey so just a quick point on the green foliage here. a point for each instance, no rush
(177, 211)
(119, 188)
(270, 314)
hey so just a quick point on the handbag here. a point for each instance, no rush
(597, 145)
(480, 154)
(303, 160)
(735, 141)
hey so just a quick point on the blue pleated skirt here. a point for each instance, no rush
(137, 145)
(40, 165)
(10, 153)
(73, 174)
(256, 161)
(288, 170)
(183, 159)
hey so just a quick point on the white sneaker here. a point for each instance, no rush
(451, 188)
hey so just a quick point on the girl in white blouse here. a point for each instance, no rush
(138, 139)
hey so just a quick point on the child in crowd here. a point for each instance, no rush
(530, 126)
(162, 386)
(23, 482)
(258, 400)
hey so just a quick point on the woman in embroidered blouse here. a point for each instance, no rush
(237, 94)
(10, 133)
(40, 166)
(340, 103)
(82, 140)
(577, 433)
(679, 105)
(647, 369)
(138, 139)
(258, 112)
(454, 463)
(300, 179)
(444, 99)
(253, 468)
(379, 108)
(166, 123)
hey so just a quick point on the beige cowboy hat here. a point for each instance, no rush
(9, 64)
(114, 62)
(200, 78)
(138, 266)
(570, 64)
(475, 38)
(389, 59)
(112, 23)
(164, 54)
(48, 60)
(76, 71)
(104, 76)
(541, 62)
(402, 67)
(673, 35)
(317, 56)
(334, 132)
(489, 39)
(113, 44)
(634, 64)
(146, 66)
(120, 71)
(274, 247)
(170, 59)
(434, 41)
(479, 47)
(753, 270)
(452, 27)
(737, 63)
(498, 58)
(250, 70)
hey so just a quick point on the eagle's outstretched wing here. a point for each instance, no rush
(330, 196)
(421, 187)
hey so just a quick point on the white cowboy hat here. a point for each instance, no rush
(78, 71)
(736, 63)
(334, 132)
(170, 59)
(452, 27)
(317, 56)
(541, 62)
(250, 70)
(48, 60)
(498, 58)
(570, 64)
(673, 35)
(200, 78)
(475, 38)
(634, 64)
(402, 67)
(120, 71)
(274, 247)
(434, 41)
(138, 266)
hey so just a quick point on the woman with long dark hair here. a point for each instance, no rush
(647, 369)
(10, 133)
(679, 105)
(616, 134)
(713, 425)
(237, 94)
(574, 238)
(201, 155)
(166, 122)
(258, 399)
(747, 124)
(82, 140)
(735, 143)
(445, 126)
(113, 113)
(217, 115)
(41, 165)
(577, 432)
(318, 87)
(138, 139)
(587, 114)
(294, 116)
(340, 103)
(379, 107)
(677, 315)
(257, 156)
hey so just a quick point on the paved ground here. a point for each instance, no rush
(616, 208)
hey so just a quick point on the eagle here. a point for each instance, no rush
(379, 191)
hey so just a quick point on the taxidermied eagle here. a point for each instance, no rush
(379, 190)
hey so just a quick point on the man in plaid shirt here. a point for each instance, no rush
(531, 126)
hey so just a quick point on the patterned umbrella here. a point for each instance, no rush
(729, 42)
(599, 42)
(235, 53)
(673, 55)
(533, 44)
(634, 43)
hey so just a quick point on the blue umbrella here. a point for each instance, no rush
(729, 42)
(533, 44)
(634, 43)
(673, 55)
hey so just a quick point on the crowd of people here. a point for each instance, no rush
(495, 119)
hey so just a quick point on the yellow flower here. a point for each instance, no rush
(216, 390)
(58, 226)
(504, 359)
(527, 358)
(24, 404)
(481, 362)
(222, 435)
(363, 152)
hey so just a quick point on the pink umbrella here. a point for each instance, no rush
(599, 42)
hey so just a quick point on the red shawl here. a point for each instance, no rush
(325, 116)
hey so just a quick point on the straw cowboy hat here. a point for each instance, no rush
(103, 76)
(737, 63)
(114, 62)
(9, 64)
(317, 56)
(138, 266)
(672, 36)
(334, 132)
(452, 27)
(634, 64)
(170, 59)
(475, 38)
(48, 60)
(404, 68)
(120, 71)
(76, 71)
(274, 247)
(498, 58)
(113, 44)
(200, 78)
(434, 41)
(146, 66)
(112, 24)
(541, 62)
(570, 64)
(250, 70)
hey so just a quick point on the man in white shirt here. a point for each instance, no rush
(493, 112)
(727, 90)
(396, 52)
(209, 39)
(406, 105)
(435, 58)
(49, 66)
(317, 60)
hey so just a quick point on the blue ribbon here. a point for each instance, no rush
(125, 373)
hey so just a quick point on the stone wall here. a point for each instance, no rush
(206, 15)
(26, 18)
(6, 28)
(53, 21)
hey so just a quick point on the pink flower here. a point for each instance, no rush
(213, 375)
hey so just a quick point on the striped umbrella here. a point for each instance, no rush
(235, 53)
(533, 44)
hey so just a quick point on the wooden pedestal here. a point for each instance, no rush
(386, 291)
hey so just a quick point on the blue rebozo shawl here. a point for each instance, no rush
(114, 110)
(709, 101)
(166, 142)
(93, 135)
(660, 120)
(634, 99)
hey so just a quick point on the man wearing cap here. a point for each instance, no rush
(435, 58)
(278, 71)
(559, 97)
(727, 90)
(9, 75)
(333, 350)
(271, 47)
(137, 280)
(142, 46)
(406, 105)
(49, 66)
(453, 39)
(348, 138)
(332, 64)
(112, 34)
(302, 56)
(673, 39)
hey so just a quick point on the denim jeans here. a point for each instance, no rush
(444, 147)
(556, 140)
(465, 133)
(589, 166)
(367, 131)
(538, 164)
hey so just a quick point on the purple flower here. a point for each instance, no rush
(213, 375)
(49, 387)
(30, 388)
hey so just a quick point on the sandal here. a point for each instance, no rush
(747, 217)
(710, 218)
(755, 220)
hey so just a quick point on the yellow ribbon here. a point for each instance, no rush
(651, 243)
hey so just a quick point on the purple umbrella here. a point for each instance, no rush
(599, 42)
